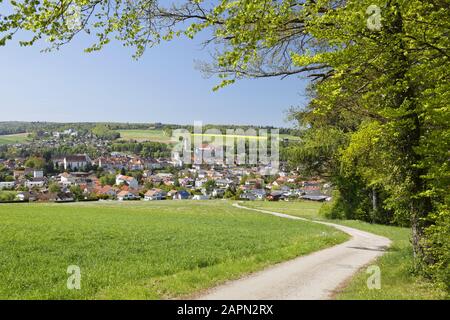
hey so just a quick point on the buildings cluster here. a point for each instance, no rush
(137, 178)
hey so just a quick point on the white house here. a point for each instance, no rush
(76, 162)
(126, 195)
(200, 197)
(21, 196)
(19, 174)
(35, 182)
(67, 179)
(7, 184)
(154, 194)
(218, 193)
(73, 162)
(129, 181)
(200, 182)
(38, 174)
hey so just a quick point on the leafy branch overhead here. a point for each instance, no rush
(256, 38)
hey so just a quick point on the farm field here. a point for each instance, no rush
(137, 250)
(13, 138)
(155, 135)
(397, 280)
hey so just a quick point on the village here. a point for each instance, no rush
(125, 177)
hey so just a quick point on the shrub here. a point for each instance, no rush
(438, 249)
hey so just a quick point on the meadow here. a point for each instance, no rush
(137, 250)
(397, 279)
(156, 135)
(13, 138)
(153, 135)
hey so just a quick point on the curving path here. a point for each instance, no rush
(311, 277)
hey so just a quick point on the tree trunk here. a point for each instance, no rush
(409, 140)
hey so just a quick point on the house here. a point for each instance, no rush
(25, 196)
(200, 182)
(126, 180)
(223, 183)
(218, 193)
(276, 196)
(319, 198)
(154, 194)
(177, 161)
(112, 163)
(66, 179)
(247, 196)
(127, 195)
(182, 195)
(172, 193)
(106, 191)
(152, 164)
(200, 197)
(259, 194)
(38, 173)
(73, 162)
(7, 184)
(35, 182)
(256, 183)
(64, 197)
(22, 173)
(136, 164)
(186, 182)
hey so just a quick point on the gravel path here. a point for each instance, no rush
(313, 277)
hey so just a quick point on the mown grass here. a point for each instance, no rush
(303, 209)
(153, 135)
(397, 279)
(14, 138)
(142, 250)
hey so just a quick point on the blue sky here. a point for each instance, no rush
(163, 86)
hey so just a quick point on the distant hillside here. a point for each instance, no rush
(14, 127)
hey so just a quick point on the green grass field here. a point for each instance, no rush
(303, 209)
(159, 136)
(140, 250)
(397, 280)
(153, 135)
(14, 138)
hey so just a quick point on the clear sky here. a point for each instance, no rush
(163, 86)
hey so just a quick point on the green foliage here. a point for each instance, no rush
(35, 163)
(109, 179)
(54, 188)
(438, 248)
(7, 195)
(104, 132)
(144, 149)
(77, 192)
(229, 194)
(9, 178)
(210, 185)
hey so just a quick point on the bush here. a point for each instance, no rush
(356, 204)
(331, 210)
(7, 195)
(438, 249)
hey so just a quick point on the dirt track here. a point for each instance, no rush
(312, 277)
